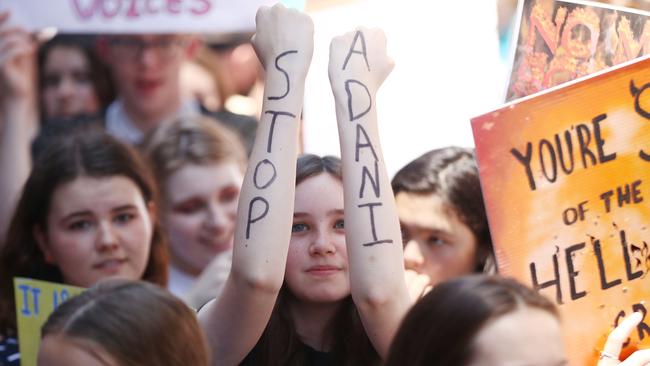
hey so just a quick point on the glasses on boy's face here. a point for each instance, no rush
(163, 47)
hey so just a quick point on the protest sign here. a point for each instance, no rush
(136, 16)
(558, 41)
(35, 301)
(566, 181)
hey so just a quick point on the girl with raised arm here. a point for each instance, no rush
(329, 310)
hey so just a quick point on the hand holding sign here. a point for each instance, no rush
(361, 52)
(284, 32)
(612, 349)
(17, 61)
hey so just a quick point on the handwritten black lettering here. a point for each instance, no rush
(600, 143)
(286, 76)
(265, 162)
(375, 241)
(525, 160)
(272, 129)
(357, 36)
(604, 284)
(361, 131)
(572, 272)
(252, 220)
(551, 154)
(626, 255)
(373, 181)
(351, 114)
(554, 282)
(569, 144)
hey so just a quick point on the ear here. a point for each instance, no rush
(193, 46)
(43, 245)
(151, 209)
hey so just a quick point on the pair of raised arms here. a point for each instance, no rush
(358, 65)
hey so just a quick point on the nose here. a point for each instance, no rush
(322, 244)
(107, 238)
(66, 87)
(148, 55)
(413, 258)
(216, 218)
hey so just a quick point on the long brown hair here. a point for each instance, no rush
(135, 323)
(280, 344)
(441, 327)
(86, 152)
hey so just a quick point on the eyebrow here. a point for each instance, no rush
(90, 213)
(329, 213)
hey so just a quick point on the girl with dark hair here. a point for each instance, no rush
(72, 79)
(87, 212)
(483, 320)
(307, 286)
(123, 323)
(479, 320)
(443, 219)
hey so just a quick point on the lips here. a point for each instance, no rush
(147, 86)
(323, 270)
(112, 265)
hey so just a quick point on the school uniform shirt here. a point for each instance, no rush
(120, 125)
(179, 282)
(9, 354)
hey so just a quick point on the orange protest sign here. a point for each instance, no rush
(566, 181)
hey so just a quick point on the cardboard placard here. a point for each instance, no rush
(566, 181)
(558, 41)
(136, 16)
(35, 301)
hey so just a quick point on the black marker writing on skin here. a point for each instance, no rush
(371, 208)
(349, 93)
(357, 36)
(373, 181)
(286, 76)
(272, 129)
(250, 213)
(265, 162)
(361, 131)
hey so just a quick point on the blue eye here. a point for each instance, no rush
(299, 227)
(339, 224)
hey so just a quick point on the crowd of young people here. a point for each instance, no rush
(279, 258)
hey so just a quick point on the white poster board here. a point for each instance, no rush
(136, 16)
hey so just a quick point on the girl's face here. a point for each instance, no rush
(317, 263)
(68, 89)
(436, 242)
(60, 350)
(200, 212)
(97, 228)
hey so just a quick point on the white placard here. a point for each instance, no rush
(136, 16)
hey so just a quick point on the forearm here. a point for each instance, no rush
(372, 229)
(18, 126)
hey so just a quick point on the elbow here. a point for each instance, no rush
(372, 298)
(258, 281)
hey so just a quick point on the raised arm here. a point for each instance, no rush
(236, 320)
(358, 66)
(18, 115)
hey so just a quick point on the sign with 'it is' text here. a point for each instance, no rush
(566, 180)
(35, 301)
